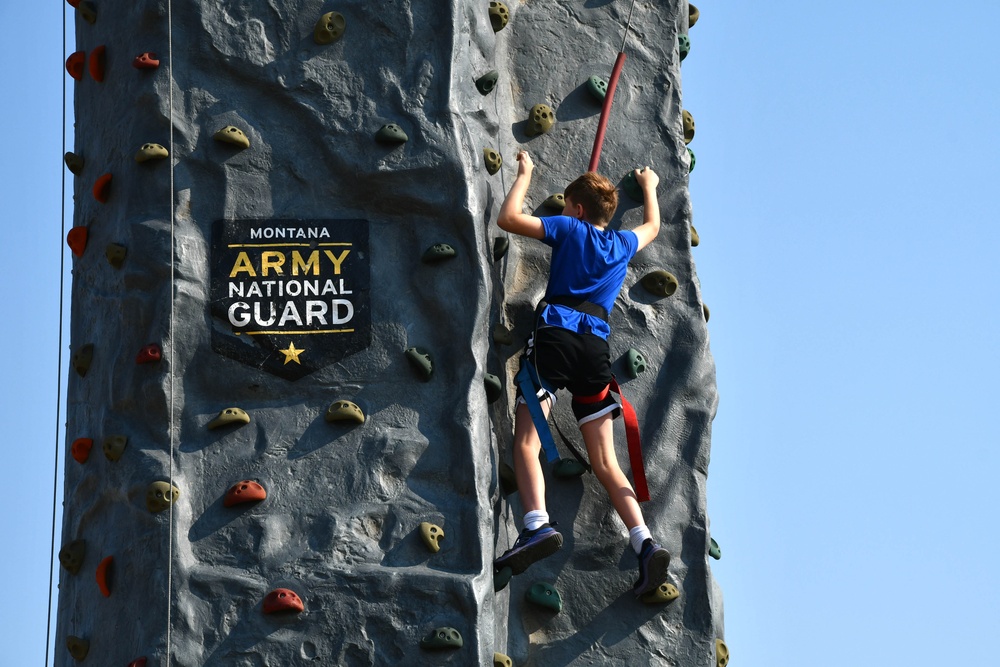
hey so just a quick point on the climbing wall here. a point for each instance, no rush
(295, 326)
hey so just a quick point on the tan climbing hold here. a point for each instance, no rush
(341, 411)
(695, 239)
(71, 556)
(230, 416)
(499, 16)
(541, 118)
(160, 495)
(233, 135)
(660, 283)
(721, 653)
(78, 647)
(114, 447)
(688, 122)
(432, 536)
(693, 15)
(705, 311)
(329, 28)
(151, 152)
(556, 202)
(663, 594)
(493, 160)
(501, 660)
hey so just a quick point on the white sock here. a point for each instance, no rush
(637, 536)
(534, 519)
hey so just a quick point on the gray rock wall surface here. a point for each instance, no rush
(344, 502)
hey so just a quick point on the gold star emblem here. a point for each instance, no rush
(291, 354)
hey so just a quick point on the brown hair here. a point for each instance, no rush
(597, 195)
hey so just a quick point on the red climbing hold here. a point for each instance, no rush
(104, 576)
(96, 63)
(138, 662)
(73, 3)
(77, 240)
(147, 60)
(247, 491)
(282, 599)
(80, 449)
(102, 188)
(74, 65)
(148, 354)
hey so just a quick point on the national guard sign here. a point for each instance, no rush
(290, 296)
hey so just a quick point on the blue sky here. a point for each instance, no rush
(844, 194)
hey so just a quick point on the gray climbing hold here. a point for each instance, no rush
(721, 653)
(82, 358)
(695, 239)
(74, 163)
(501, 660)
(115, 254)
(660, 283)
(341, 411)
(568, 469)
(437, 253)
(160, 495)
(635, 363)
(493, 160)
(442, 638)
(421, 361)
(329, 28)
(556, 202)
(544, 595)
(149, 152)
(688, 122)
(499, 15)
(683, 46)
(501, 579)
(71, 556)
(78, 647)
(597, 87)
(714, 551)
(494, 389)
(487, 82)
(230, 416)
(662, 594)
(432, 536)
(391, 134)
(114, 447)
(500, 246)
(232, 135)
(541, 118)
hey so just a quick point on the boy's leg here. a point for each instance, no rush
(598, 434)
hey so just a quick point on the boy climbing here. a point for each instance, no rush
(569, 349)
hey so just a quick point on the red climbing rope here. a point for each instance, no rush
(602, 126)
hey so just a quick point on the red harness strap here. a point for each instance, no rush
(631, 436)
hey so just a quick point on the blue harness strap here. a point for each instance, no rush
(528, 388)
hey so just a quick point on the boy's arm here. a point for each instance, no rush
(650, 226)
(511, 218)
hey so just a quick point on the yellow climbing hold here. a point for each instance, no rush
(493, 160)
(432, 536)
(660, 283)
(500, 660)
(705, 311)
(693, 15)
(78, 647)
(233, 135)
(230, 416)
(540, 120)
(499, 15)
(663, 594)
(114, 447)
(71, 556)
(115, 254)
(329, 28)
(345, 411)
(556, 202)
(160, 495)
(695, 239)
(151, 152)
(721, 653)
(688, 121)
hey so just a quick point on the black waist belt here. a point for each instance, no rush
(576, 303)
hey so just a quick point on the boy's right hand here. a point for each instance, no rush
(524, 164)
(646, 178)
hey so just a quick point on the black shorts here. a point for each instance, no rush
(580, 363)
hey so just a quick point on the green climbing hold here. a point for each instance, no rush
(329, 28)
(499, 15)
(597, 87)
(391, 134)
(437, 253)
(493, 160)
(691, 160)
(74, 163)
(683, 46)
(502, 336)
(630, 185)
(695, 239)
(114, 447)
(705, 311)
(501, 660)
(714, 551)
(660, 283)
(432, 536)
(160, 495)
(662, 594)
(500, 246)
(556, 202)
(540, 120)
(232, 135)
(230, 416)
(487, 82)
(568, 469)
(82, 359)
(688, 122)
(151, 152)
(635, 363)
(71, 556)
(78, 647)
(508, 480)
(693, 15)
(345, 411)
(88, 11)
(442, 638)
(501, 579)
(544, 595)
(721, 653)
(494, 389)
(115, 254)
(421, 361)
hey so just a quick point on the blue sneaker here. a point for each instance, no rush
(531, 545)
(653, 563)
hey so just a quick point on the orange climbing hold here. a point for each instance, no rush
(80, 449)
(138, 662)
(147, 60)
(77, 240)
(96, 64)
(104, 576)
(74, 65)
(102, 188)
(282, 600)
(247, 491)
(149, 354)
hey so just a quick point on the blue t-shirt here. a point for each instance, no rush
(588, 263)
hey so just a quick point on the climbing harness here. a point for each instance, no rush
(631, 435)
(526, 382)
(602, 126)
